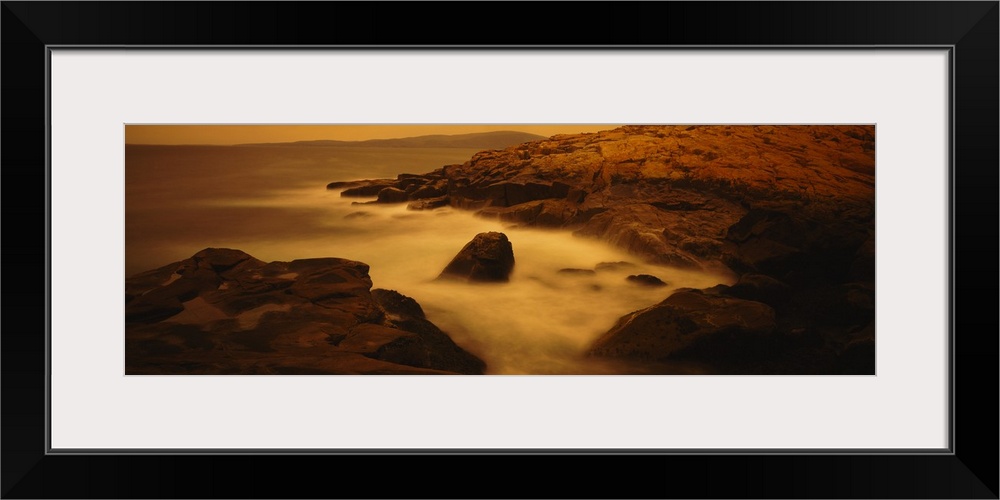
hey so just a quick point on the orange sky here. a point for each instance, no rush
(240, 134)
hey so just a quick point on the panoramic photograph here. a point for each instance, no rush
(574, 249)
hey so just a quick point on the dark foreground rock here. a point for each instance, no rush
(489, 257)
(729, 335)
(225, 312)
(690, 325)
(761, 288)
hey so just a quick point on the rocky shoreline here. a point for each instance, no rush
(788, 209)
(224, 312)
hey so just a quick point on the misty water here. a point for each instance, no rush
(272, 203)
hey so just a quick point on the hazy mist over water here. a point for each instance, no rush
(272, 203)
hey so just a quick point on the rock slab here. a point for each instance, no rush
(223, 311)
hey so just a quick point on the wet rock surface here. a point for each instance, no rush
(224, 312)
(489, 257)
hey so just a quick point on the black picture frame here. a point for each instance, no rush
(969, 28)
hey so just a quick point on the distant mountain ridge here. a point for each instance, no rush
(481, 140)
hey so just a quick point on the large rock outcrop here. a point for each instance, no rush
(789, 209)
(225, 312)
(489, 257)
(669, 194)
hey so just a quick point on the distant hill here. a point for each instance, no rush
(482, 140)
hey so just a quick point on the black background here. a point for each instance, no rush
(972, 472)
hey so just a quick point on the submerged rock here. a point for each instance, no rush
(225, 312)
(363, 188)
(613, 266)
(428, 204)
(645, 280)
(489, 257)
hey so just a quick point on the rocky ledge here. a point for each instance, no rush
(667, 193)
(788, 209)
(224, 312)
